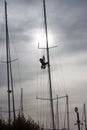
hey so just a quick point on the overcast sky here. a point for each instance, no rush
(67, 28)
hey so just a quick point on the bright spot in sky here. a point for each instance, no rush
(41, 39)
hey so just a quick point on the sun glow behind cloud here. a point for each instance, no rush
(40, 38)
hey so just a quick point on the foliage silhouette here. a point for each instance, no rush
(20, 123)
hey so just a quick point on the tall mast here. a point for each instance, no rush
(7, 52)
(67, 103)
(12, 87)
(78, 120)
(21, 104)
(85, 117)
(48, 59)
(9, 70)
(57, 113)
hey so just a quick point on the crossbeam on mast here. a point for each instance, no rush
(45, 47)
(9, 61)
(66, 96)
(49, 98)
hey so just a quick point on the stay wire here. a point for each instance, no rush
(52, 30)
(16, 63)
(2, 67)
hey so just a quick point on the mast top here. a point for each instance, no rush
(5, 2)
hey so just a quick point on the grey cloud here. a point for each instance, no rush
(68, 22)
(69, 19)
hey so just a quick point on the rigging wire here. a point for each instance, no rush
(57, 53)
(16, 65)
(62, 82)
(43, 83)
(60, 117)
(3, 89)
(1, 40)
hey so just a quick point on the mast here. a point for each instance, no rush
(78, 120)
(9, 71)
(48, 59)
(21, 102)
(12, 88)
(57, 114)
(67, 103)
(85, 117)
(7, 52)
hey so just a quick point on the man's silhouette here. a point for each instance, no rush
(43, 63)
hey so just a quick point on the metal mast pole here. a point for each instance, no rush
(85, 117)
(12, 86)
(57, 114)
(21, 101)
(67, 103)
(49, 72)
(7, 52)
(78, 120)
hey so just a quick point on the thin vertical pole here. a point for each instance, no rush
(12, 87)
(49, 72)
(85, 117)
(7, 52)
(67, 103)
(21, 101)
(57, 114)
(1, 113)
(78, 121)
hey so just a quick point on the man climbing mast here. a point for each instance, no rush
(43, 63)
